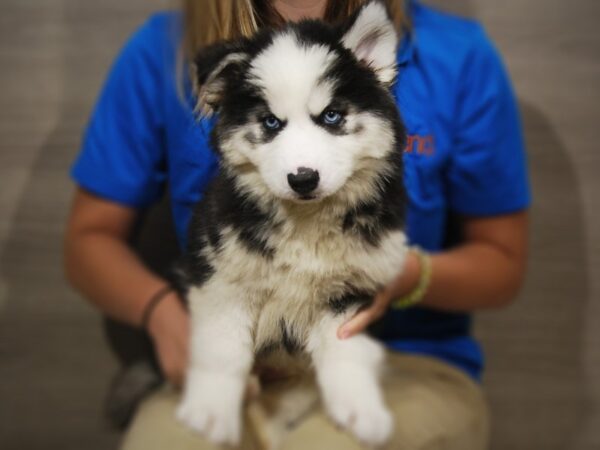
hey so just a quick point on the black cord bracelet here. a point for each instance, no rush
(153, 302)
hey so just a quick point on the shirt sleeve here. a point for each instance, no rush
(487, 174)
(122, 157)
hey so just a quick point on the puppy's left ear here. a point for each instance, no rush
(212, 68)
(371, 35)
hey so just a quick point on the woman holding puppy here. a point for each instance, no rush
(468, 193)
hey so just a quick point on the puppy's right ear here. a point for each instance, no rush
(211, 69)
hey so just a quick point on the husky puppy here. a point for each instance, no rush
(303, 224)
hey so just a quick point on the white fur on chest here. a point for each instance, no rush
(312, 263)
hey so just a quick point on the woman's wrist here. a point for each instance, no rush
(153, 304)
(415, 280)
(164, 312)
(406, 281)
(409, 279)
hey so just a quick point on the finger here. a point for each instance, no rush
(364, 318)
(253, 388)
(357, 324)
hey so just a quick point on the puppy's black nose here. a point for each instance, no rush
(304, 181)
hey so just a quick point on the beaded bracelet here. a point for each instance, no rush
(152, 303)
(418, 292)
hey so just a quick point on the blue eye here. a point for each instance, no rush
(272, 123)
(332, 117)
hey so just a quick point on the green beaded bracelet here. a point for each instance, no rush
(417, 293)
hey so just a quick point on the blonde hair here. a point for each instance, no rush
(208, 21)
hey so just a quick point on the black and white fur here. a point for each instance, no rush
(278, 256)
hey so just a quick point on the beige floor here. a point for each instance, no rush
(544, 353)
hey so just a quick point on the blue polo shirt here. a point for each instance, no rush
(464, 153)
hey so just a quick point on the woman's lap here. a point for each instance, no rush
(436, 407)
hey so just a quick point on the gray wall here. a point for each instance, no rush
(543, 353)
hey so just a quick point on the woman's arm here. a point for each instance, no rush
(101, 265)
(486, 271)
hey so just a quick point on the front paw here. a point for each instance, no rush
(211, 406)
(361, 413)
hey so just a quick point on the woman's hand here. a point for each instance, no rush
(404, 283)
(485, 271)
(169, 328)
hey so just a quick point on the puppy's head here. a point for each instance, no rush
(305, 112)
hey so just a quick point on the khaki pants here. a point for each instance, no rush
(436, 407)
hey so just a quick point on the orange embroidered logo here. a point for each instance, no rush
(421, 145)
